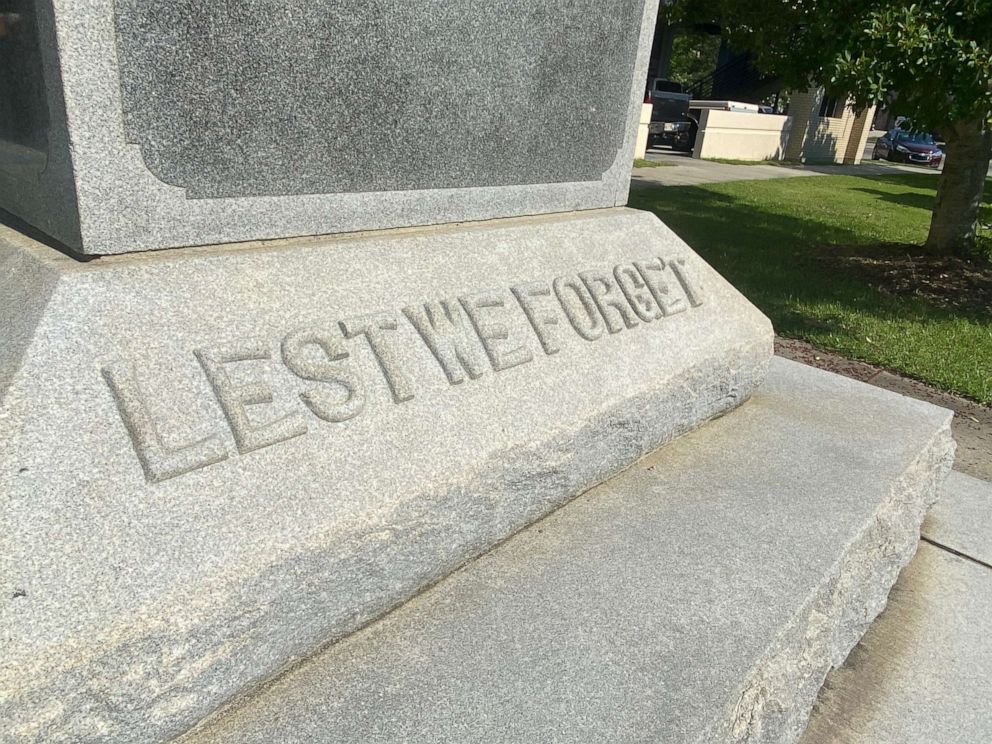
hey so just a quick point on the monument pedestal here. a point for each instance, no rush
(218, 460)
(700, 596)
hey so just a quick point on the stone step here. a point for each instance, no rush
(923, 672)
(700, 596)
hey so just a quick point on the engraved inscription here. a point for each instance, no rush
(158, 461)
(234, 399)
(481, 308)
(539, 319)
(373, 327)
(579, 307)
(652, 272)
(327, 405)
(692, 292)
(444, 328)
(612, 305)
(636, 291)
(468, 337)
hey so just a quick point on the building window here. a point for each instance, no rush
(830, 107)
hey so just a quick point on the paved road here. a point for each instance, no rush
(685, 170)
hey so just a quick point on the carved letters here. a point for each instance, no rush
(234, 399)
(158, 461)
(539, 316)
(468, 337)
(447, 333)
(579, 307)
(482, 308)
(325, 405)
(372, 327)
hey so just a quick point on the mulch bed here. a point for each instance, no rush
(952, 283)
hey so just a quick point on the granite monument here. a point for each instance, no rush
(219, 459)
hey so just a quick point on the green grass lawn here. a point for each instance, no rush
(763, 237)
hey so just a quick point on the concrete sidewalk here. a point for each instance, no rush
(684, 170)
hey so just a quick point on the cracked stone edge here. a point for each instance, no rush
(775, 702)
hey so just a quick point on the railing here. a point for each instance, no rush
(737, 80)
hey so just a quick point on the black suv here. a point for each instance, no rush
(671, 123)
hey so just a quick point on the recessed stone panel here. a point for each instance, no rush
(253, 97)
(219, 121)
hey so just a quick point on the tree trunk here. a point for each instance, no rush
(959, 193)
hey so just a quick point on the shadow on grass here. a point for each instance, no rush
(924, 195)
(912, 199)
(770, 257)
(768, 239)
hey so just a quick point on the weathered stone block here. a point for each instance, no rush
(922, 673)
(217, 460)
(700, 597)
(140, 125)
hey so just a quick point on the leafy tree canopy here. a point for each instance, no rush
(694, 56)
(936, 54)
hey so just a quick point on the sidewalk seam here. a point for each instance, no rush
(958, 553)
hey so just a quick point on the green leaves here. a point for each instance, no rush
(937, 55)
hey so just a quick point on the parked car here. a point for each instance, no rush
(671, 124)
(908, 147)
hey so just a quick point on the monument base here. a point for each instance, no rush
(215, 461)
(701, 596)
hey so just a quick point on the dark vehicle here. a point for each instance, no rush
(908, 147)
(671, 123)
